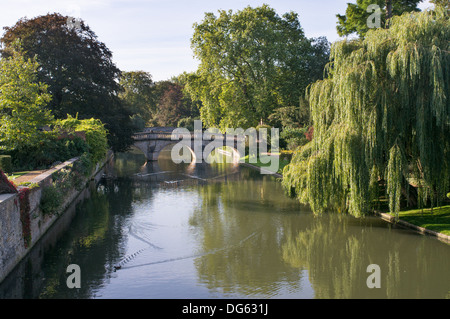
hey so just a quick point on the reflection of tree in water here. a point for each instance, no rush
(241, 217)
(94, 240)
(337, 256)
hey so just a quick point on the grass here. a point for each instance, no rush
(282, 163)
(438, 220)
(15, 175)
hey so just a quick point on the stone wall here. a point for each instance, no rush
(14, 245)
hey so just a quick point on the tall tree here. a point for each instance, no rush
(172, 105)
(382, 115)
(251, 62)
(22, 102)
(77, 68)
(138, 96)
(356, 15)
(441, 3)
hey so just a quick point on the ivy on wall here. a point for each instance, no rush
(24, 202)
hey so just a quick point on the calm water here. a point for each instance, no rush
(220, 231)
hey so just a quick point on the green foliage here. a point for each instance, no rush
(62, 144)
(251, 62)
(187, 122)
(382, 114)
(138, 122)
(292, 138)
(84, 165)
(78, 70)
(436, 219)
(138, 96)
(291, 116)
(5, 164)
(63, 182)
(173, 103)
(264, 134)
(51, 200)
(356, 15)
(96, 134)
(441, 3)
(46, 152)
(22, 102)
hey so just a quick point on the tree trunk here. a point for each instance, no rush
(388, 12)
(410, 194)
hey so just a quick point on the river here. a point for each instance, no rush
(161, 230)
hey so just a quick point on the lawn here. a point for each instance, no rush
(438, 220)
(282, 163)
(15, 175)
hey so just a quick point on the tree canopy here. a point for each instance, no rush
(356, 15)
(22, 102)
(382, 115)
(78, 69)
(173, 104)
(251, 62)
(138, 96)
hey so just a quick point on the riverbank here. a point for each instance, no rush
(425, 222)
(27, 215)
(263, 167)
(435, 223)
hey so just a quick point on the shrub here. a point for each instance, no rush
(5, 163)
(84, 165)
(291, 138)
(51, 200)
(96, 134)
(286, 155)
(47, 152)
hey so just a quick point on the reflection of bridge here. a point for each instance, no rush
(152, 140)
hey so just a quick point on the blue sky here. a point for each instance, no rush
(154, 36)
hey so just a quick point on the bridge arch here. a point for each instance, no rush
(178, 152)
(153, 140)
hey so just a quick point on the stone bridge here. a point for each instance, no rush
(152, 140)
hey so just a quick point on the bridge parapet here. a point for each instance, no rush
(165, 135)
(152, 140)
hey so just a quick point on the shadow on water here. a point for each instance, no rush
(160, 230)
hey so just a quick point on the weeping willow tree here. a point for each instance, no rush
(381, 117)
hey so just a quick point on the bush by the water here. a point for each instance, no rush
(61, 144)
(51, 200)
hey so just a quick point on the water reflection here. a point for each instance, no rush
(159, 230)
(410, 266)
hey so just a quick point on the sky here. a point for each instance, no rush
(154, 36)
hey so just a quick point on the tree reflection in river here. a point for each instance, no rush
(212, 231)
(243, 219)
(337, 250)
